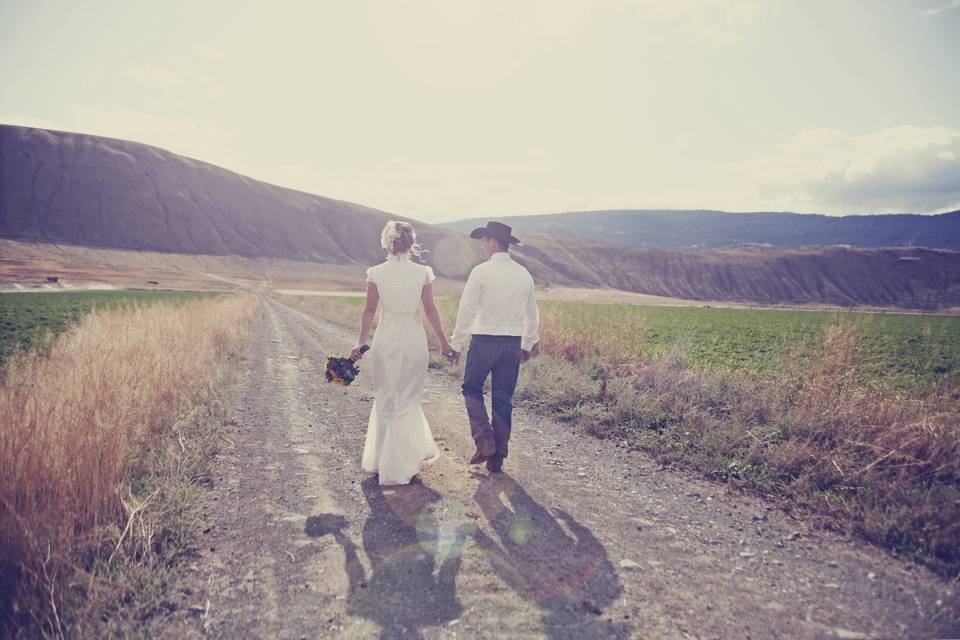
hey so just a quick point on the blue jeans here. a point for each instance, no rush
(499, 357)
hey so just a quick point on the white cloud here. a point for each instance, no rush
(154, 75)
(716, 21)
(21, 120)
(953, 4)
(202, 140)
(210, 53)
(903, 168)
(516, 22)
(173, 72)
(428, 191)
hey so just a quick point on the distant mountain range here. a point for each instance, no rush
(715, 229)
(69, 188)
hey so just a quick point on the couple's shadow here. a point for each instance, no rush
(549, 559)
(413, 546)
(414, 540)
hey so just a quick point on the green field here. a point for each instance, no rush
(27, 318)
(906, 350)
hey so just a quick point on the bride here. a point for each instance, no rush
(398, 435)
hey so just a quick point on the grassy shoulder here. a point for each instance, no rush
(139, 583)
(853, 458)
(106, 438)
(30, 319)
(819, 429)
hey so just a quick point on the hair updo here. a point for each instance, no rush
(399, 238)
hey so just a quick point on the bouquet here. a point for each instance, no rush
(342, 370)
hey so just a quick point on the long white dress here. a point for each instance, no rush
(399, 440)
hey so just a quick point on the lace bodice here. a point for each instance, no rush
(400, 282)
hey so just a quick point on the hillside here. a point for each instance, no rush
(716, 229)
(93, 191)
(917, 278)
(90, 192)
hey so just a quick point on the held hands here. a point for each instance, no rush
(450, 353)
(454, 356)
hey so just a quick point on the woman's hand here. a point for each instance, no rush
(355, 354)
(449, 352)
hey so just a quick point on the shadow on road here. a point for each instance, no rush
(413, 544)
(334, 524)
(414, 538)
(549, 559)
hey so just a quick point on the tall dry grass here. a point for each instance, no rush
(576, 338)
(75, 418)
(347, 314)
(862, 456)
(885, 461)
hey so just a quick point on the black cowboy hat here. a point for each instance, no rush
(496, 230)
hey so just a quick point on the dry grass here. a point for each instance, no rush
(861, 457)
(75, 420)
(577, 338)
(346, 313)
(887, 462)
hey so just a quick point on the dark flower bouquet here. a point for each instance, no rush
(342, 370)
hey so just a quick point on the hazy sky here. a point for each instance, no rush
(444, 110)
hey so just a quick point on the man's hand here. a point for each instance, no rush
(450, 353)
(524, 356)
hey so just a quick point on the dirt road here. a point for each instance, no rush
(578, 539)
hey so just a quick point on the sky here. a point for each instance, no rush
(446, 109)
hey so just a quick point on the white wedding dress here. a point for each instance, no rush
(399, 440)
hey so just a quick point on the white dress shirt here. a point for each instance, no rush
(498, 300)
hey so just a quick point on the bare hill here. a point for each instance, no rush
(916, 278)
(716, 229)
(90, 191)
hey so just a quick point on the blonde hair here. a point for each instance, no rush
(399, 237)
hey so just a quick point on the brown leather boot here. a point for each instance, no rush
(485, 449)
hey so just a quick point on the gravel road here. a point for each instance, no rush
(578, 539)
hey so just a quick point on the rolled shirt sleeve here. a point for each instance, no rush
(531, 322)
(467, 312)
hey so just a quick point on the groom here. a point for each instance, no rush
(498, 310)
